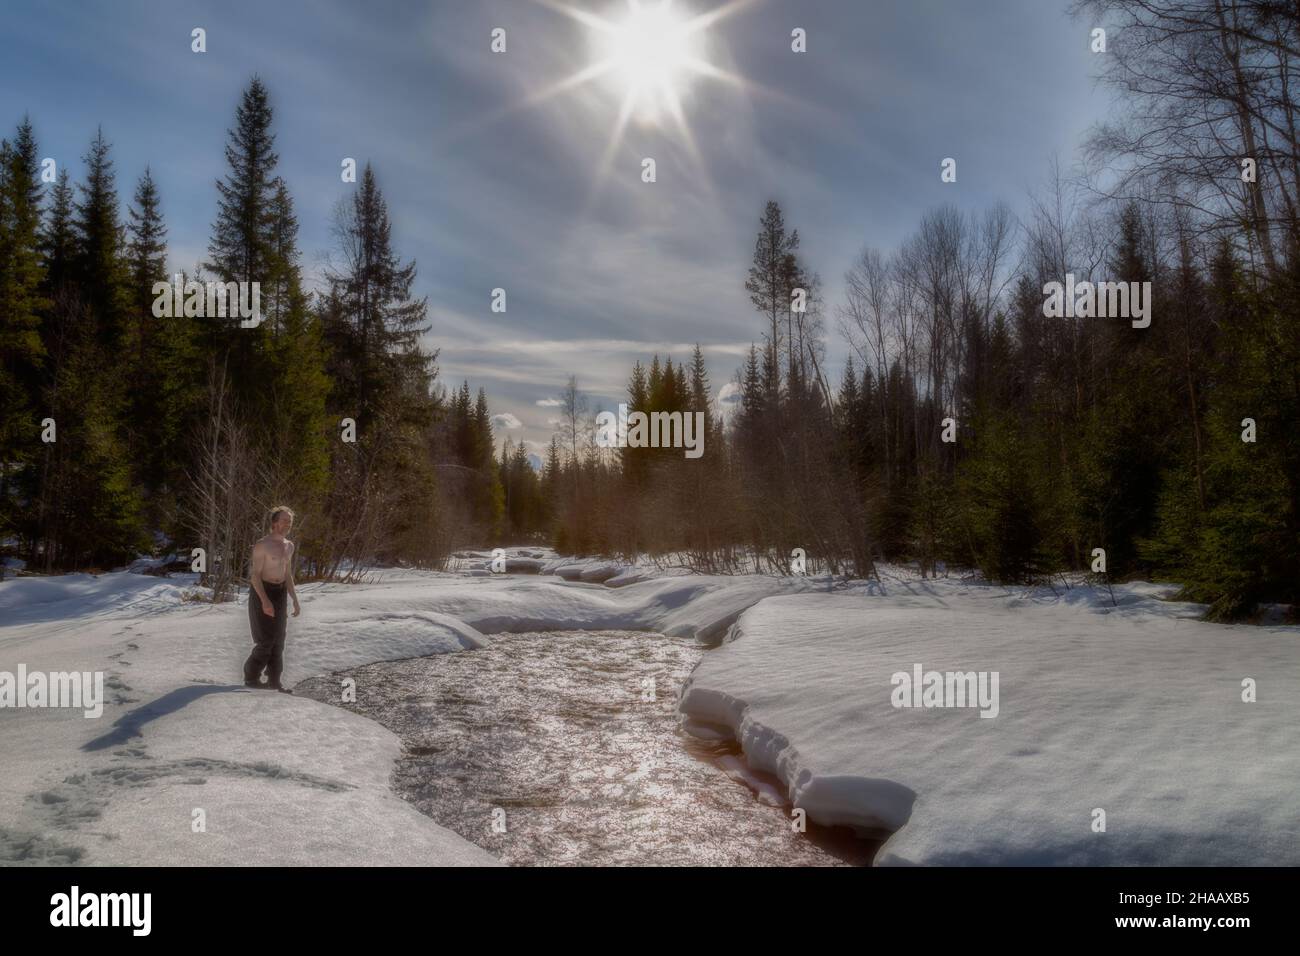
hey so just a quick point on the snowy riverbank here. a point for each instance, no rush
(1136, 710)
(279, 779)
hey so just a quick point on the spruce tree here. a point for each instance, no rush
(242, 245)
(88, 509)
(58, 242)
(299, 386)
(377, 353)
(769, 285)
(100, 268)
(21, 304)
(157, 372)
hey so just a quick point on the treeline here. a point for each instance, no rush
(122, 433)
(1078, 434)
(970, 428)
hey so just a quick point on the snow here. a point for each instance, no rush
(569, 572)
(602, 573)
(1131, 706)
(280, 779)
(627, 576)
(1134, 709)
(30, 599)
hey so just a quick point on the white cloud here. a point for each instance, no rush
(506, 420)
(730, 394)
(549, 402)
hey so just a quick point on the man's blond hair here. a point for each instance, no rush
(281, 510)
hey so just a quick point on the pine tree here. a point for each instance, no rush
(849, 407)
(300, 386)
(88, 510)
(1126, 431)
(1247, 548)
(240, 247)
(58, 241)
(147, 249)
(100, 273)
(700, 398)
(155, 406)
(770, 284)
(376, 351)
(552, 475)
(752, 414)
(21, 304)
(489, 499)
(634, 460)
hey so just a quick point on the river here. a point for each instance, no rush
(562, 747)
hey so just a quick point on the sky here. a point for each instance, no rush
(500, 174)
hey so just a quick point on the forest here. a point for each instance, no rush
(968, 429)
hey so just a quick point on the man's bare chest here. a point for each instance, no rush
(277, 552)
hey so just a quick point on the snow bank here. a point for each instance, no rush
(1133, 710)
(36, 599)
(278, 779)
(1128, 706)
(274, 779)
(700, 606)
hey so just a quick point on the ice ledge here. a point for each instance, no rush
(866, 805)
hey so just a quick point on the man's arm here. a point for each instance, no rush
(288, 578)
(255, 579)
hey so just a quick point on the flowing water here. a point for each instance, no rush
(562, 747)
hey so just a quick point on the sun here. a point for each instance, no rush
(653, 52)
(648, 53)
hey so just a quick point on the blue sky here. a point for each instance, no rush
(489, 190)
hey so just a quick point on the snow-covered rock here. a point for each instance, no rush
(601, 573)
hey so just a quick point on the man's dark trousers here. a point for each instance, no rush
(268, 635)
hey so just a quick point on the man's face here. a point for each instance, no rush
(282, 523)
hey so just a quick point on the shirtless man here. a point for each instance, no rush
(271, 577)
